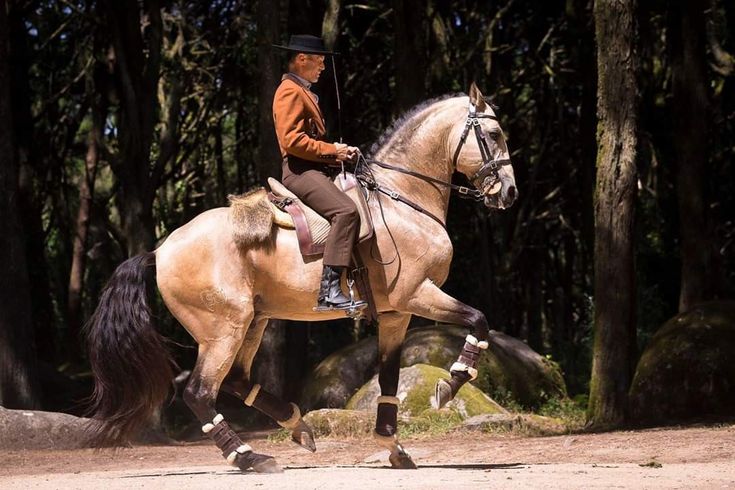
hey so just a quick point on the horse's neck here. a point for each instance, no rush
(420, 145)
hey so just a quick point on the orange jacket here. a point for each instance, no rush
(299, 123)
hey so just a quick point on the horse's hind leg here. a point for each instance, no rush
(213, 362)
(391, 332)
(287, 415)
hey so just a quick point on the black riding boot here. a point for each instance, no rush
(330, 292)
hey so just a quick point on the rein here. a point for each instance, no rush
(489, 168)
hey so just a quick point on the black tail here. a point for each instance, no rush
(131, 364)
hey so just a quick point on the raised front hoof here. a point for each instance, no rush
(260, 463)
(400, 459)
(442, 394)
(304, 437)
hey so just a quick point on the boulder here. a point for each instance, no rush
(334, 380)
(416, 392)
(687, 369)
(340, 423)
(509, 367)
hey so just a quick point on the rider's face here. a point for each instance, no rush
(311, 66)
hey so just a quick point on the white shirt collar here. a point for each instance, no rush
(304, 81)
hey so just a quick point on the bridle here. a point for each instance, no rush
(489, 166)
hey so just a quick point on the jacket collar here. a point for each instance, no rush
(309, 95)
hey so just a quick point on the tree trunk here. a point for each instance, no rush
(690, 111)
(617, 105)
(18, 386)
(410, 58)
(30, 165)
(137, 67)
(98, 94)
(269, 156)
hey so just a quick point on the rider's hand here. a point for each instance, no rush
(343, 152)
(354, 153)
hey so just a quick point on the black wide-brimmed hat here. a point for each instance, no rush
(303, 43)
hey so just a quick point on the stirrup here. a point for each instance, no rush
(353, 309)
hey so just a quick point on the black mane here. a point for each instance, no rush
(401, 121)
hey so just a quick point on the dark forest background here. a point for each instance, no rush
(121, 120)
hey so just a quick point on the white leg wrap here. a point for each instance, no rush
(206, 428)
(386, 441)
(458, 366)
(252, 395)
(393, 400)
(471, 339)
(240, 450)
(294, 420)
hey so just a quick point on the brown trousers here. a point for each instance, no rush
(317, 191)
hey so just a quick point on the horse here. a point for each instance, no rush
(223, 283)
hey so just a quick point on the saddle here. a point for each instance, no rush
(312, 228)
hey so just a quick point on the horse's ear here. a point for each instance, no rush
(476, 97)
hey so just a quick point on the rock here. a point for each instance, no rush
(334, 380)
(687, 369)
(30, 429)
(526, 424)
(434, 345)
(508, 367)
(340, 423)
(416, 392)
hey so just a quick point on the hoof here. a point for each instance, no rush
(400, 460)
(442, 394)
(304, 436)
(260, 463)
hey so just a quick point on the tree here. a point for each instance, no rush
(617, 106)
(410, 59)
(137, 71)
(18, 387)
(690, 111)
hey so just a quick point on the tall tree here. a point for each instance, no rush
(690, 111)
(137, 38)
(96, 87)
(410, 58)
(18, 387)
(268, 23)
(617, 107)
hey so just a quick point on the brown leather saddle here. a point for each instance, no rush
(312, 228)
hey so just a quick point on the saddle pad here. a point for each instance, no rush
(312, 229)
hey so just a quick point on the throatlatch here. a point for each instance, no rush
(463, 370)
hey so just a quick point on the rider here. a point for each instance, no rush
(309, 161)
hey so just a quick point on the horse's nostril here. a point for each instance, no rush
(512, 193)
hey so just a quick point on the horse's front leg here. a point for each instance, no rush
(433, 303)
(391, 332)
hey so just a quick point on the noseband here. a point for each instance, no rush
(489, 166)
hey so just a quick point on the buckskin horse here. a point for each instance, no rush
(223, 291)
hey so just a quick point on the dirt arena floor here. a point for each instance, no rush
(694, 457)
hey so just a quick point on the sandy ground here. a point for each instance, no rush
(700, 457)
